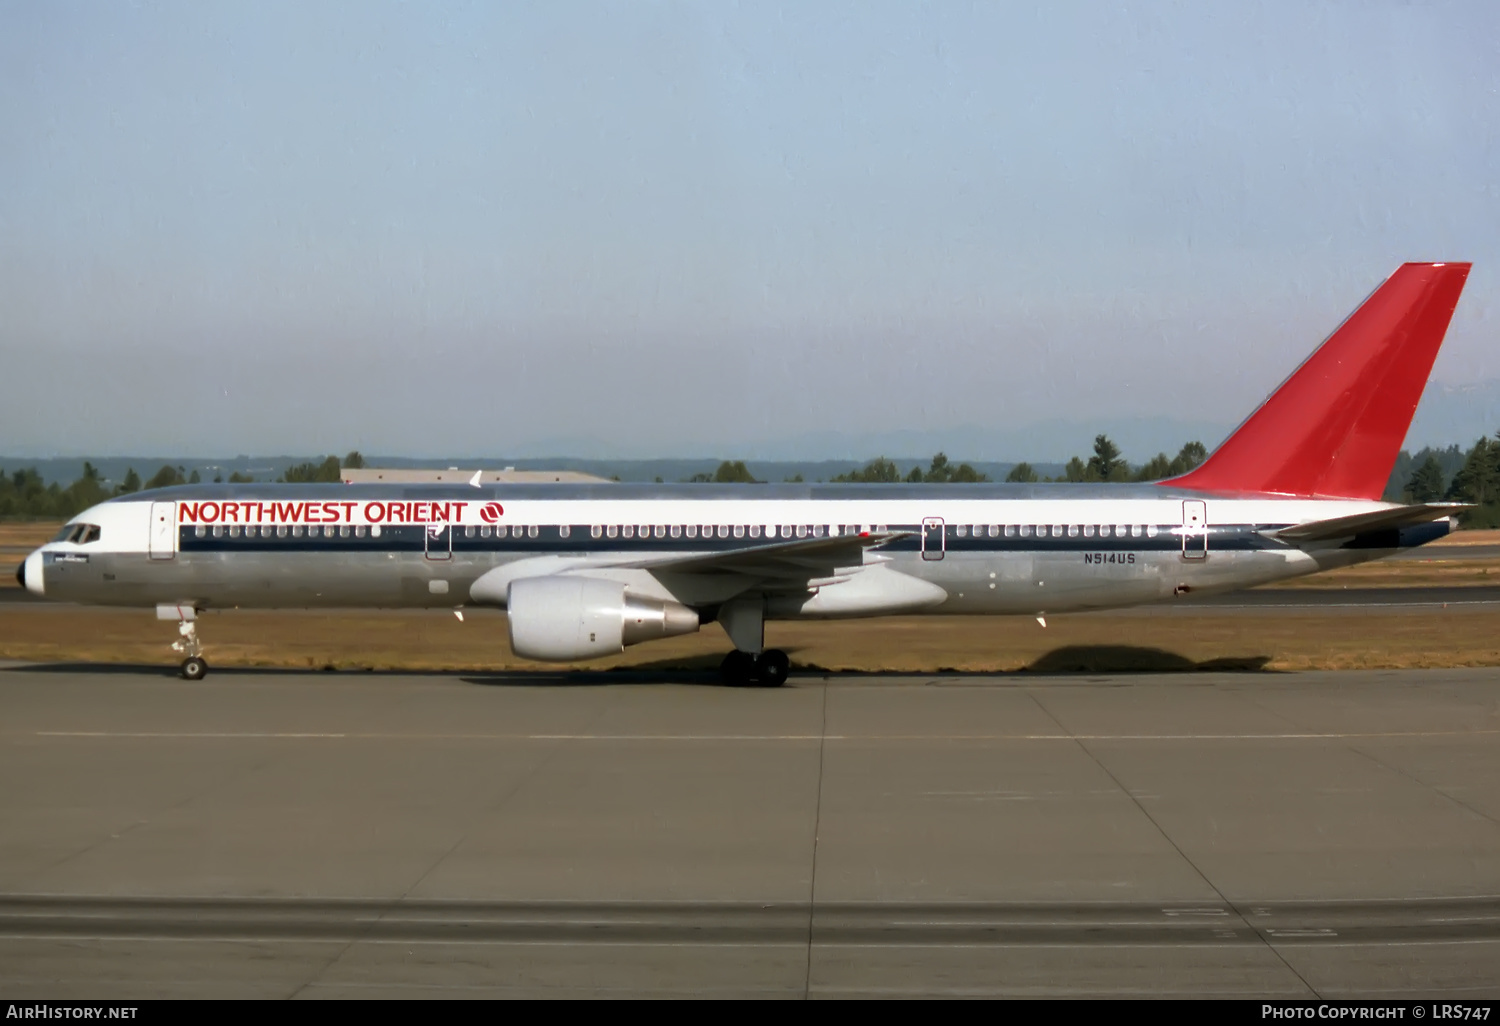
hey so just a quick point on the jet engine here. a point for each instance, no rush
(561, 619)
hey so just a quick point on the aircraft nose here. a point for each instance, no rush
(30, 574)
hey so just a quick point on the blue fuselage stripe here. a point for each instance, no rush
(579, 539)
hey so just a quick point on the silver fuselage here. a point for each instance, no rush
(991, 549)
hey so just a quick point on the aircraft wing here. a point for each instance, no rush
(789, 560)
(1380, 520)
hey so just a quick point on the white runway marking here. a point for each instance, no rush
(274, 735)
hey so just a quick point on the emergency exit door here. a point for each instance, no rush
(1194, 529)
(439, 541)
(164, 530)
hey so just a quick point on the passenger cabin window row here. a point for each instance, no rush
(85, 533)
(1056, 530)
(288, 531)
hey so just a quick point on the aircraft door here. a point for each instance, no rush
(163, 530)
(1194, 529)
(439, 541)
(933, 538)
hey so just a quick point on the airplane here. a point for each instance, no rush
(584, 570)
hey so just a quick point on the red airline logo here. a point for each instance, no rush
(491, 512)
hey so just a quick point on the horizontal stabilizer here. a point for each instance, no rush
(1380, 520)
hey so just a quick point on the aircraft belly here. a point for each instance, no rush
(269, 580)
(1056, 582)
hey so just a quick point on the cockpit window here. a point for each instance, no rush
(79, 534)
(66, 533)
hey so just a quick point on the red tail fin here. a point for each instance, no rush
(1335, 426)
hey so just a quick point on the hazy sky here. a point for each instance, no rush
(693, 229)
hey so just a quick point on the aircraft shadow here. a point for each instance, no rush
(704, 670)
(1138, 659)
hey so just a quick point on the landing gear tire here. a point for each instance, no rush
(194, 668)
(772, 667)
(738, 669)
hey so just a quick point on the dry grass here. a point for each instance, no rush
(1160, 640)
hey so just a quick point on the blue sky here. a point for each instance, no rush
(690, 229)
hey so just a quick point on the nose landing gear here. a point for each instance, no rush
(194, 667)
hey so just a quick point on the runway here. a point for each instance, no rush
(287, 834)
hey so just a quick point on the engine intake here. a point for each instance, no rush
(561, 619)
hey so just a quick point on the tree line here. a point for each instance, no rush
(1450, 474)
(23, 494)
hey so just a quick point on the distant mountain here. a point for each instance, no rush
(1455, 413)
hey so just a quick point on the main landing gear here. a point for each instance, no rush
(768, 670)
(743, 619)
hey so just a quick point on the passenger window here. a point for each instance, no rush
(960, 531)
(739, 530)
(755, 530)
(801, 530)
(565, 531)
(501, 531)
(359, 531)
(597, 531)
(1057, 530)
(296, 531)
(1088, 530)
(1010, 530)
(469, 531)
(628, 531)
(612, 530)
(375, 531)
(1150, 530)
(486, 531)
(692, 530)
(199, 531)
(532, 530)
(344, 531)
(786, 530)
(281, 531)
(676, 530)
(1137, 530)
(660, 531)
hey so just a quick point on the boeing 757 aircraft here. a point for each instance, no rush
(585, 570)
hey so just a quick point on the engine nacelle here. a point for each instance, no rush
(564, 618)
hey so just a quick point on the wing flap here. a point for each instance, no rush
(1381, 519)
(802, 558)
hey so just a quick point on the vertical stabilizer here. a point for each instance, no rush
(1335, 426)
